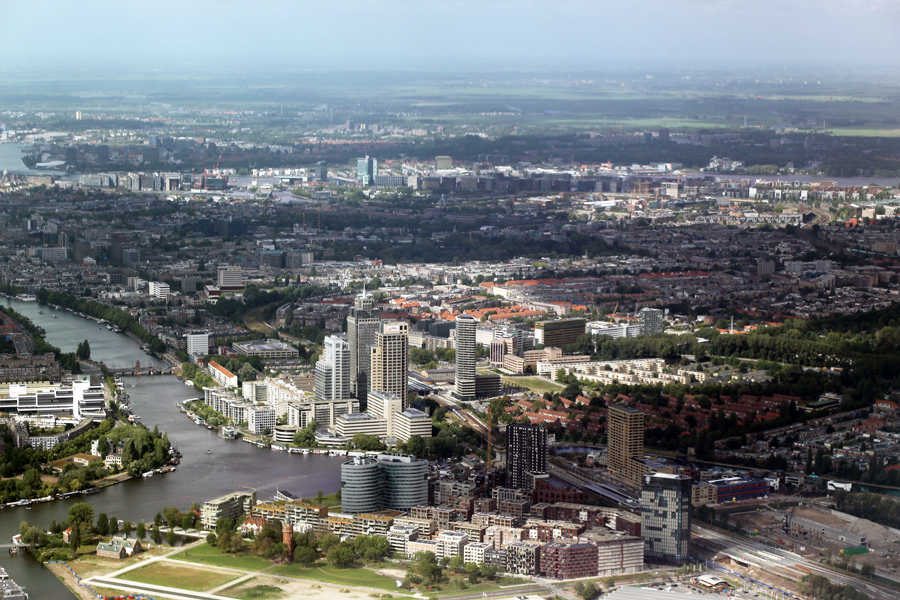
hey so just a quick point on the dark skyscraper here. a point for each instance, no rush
(666, 517)
(526, 451)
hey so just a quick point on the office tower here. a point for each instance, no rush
(366, 170)
(361, 483)
(405, 481)
(443, 163)
(390, 359)
(651, 321)
(386, 481)
(625, 441)
(559, 333)
(666, 517)
(465, 357)
(333, 370)
(197, 344)
(526, 452)
(362, 325)
(229, 278)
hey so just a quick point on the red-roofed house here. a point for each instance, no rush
(222, 375)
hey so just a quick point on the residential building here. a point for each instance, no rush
(260, 419)
(222, 376)
(523, 558)
(333, 370)
(197, 344)
(474, 552)
(651, 320)
(526, 451)
(560, 560)
(390, 359)
(400, 535)
(451, 543)
(230, 506)
(625, 433)
(666, 517)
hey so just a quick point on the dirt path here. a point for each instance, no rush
(64, 575)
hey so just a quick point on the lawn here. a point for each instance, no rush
(458, 585)
(535, 384)
(253, 590)
(331, 500)
(188, 578)
(210, 555)
(333, 575)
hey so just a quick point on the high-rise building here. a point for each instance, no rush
(390, 359)
(229, 278)
(197, 344)
(362, 325)
(333, 370)
(443, 163)
(526, 452)
(361, 483)
(652, 320)
(366, 170)
(387, 481)
(625, 440)
(666, 517)
(464, 388)
(559, 333)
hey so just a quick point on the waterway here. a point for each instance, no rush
(11, 159)
(66, 331)
(231, 465)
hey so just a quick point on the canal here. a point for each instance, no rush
(230, 465)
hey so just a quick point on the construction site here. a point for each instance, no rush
(817, 532)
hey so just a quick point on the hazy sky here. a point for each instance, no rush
(512, 34)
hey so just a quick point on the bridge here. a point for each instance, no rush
(132, 371)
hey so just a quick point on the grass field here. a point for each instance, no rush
(330, 574)
(329, 500)
(535, 384)
(253, 590)
(209, 555)
(188, 578)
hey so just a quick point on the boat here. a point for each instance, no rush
(8, 588)
(54, 316)
(26, 298)
(147, 474)
(40, 312)
(278, 448)
(208, 451)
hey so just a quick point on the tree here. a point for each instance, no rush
(83, 351)
(415, 445)
(327, 541)
(171, 538)
(341, 556)
(102, 524)
(113, 526)
(80, 514)
(156, 534)
(141, 530)
(305, 555)
(103, 446)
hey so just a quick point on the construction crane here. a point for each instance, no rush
(613, 315)
(218, 161)
(490, 429)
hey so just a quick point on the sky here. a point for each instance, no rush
(449, 34)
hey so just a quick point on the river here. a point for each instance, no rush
(230, 465)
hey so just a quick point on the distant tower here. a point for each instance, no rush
(287, 536)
